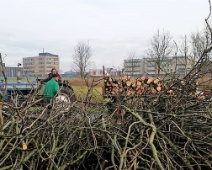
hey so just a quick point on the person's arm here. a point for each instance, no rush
(48, 78)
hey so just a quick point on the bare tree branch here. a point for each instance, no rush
(81, 58)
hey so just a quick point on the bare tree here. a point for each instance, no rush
(198, 41)
(202, 46)
(185, 51)
(131, 63)
(81, 58)
(201, 42)
(161, 47)
(193, 48)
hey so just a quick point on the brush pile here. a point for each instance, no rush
(178, 136)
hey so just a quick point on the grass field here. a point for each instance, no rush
(81, 88)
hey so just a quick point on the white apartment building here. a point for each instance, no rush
(133, 67)
(168, 65)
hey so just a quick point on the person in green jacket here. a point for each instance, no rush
(51, 88)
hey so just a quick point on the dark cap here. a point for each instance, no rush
(56, 75)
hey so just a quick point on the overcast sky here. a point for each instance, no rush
(114, 28)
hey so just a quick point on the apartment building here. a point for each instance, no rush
(178, 65)
(41, 65)
(168, 65)
(133, 67)
(11, 71)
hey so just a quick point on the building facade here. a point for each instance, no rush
(178, 65)
(40, 65)
(12, 71)
(133, 67)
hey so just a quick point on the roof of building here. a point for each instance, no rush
(47, 54)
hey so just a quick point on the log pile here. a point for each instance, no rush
(130, 86)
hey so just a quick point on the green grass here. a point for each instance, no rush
(80, 88)
(35, 108)
(81, 93)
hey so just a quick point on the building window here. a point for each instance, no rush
(180, 64)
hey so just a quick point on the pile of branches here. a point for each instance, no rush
(152, 132)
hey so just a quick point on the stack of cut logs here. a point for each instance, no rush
(133, 86)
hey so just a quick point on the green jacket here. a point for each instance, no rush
(51, 88)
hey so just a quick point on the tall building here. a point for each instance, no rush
(177, 65)
(133, 67)
(40, 65)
